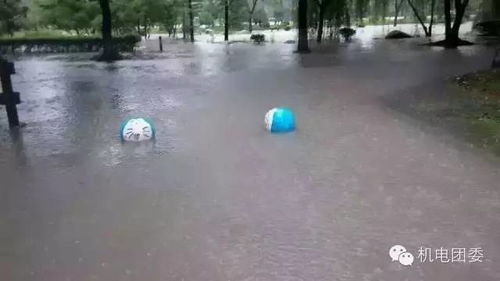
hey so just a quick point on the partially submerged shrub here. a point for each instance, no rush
(396, 34)
(257, 38)
(67, 44)
(347, 33)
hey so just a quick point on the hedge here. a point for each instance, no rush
(67, 44)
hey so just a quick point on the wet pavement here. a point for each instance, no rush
(216, 197)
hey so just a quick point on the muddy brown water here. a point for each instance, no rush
(216, 197)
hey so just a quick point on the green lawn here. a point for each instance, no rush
(468, 107)
(479, 94)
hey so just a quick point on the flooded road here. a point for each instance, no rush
(216, 197)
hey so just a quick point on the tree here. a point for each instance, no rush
(140, 15)
(303, 46)
(251, 9)
(380, 9)
(226, 20)
(191, 25)
(337, 14)
(70, 15)
(452, 39)
(170, 17)
(261, 17)
(12, 16)
(360, 9)
(427, 30)
(109, 53)
(209, 12)
(238, 13)
(232, 15)
(322, 5)
(496, 9)
(397, 9)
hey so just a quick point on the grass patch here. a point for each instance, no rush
(479, 94)
(467, 106)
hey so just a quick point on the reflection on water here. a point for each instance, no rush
(75, 106)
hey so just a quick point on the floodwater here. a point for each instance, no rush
(363, 34)
(216, 197)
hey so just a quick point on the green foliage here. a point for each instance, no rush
(12, 16)
(257, 38)
(125, 43)
(84, 16)
(360, 8)
(40, 33)
(129, 39)
(80, 16)
(337, 11)
(238, 12)
(260, 17)
(209, 12)
(379, 11)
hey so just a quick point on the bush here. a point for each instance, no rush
(65, 44)
(347, 33)
(396, 34)
(488, 28)
(257, 38)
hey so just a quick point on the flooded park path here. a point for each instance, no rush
(216, 197)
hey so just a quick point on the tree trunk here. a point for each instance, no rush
(452, 40)
(303, 46)
(191, 25)
(250, 15)
(347, 15)
(250, 22)
(226, 20)
(447, 17)
(320, 22)
(496, 9)
(330, 29)
(433, 4)
(459, 14)
(108, 52)
(419, 18)
(396, 10)
(451, 32)
(183, 23)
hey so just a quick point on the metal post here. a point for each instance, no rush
(161, 44)
(9, 98)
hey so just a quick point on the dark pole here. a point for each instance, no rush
(9, 98)
(447, 18)
(320, 21)
(191, 27)
(226, 20)
(303, 46)
(161, 44)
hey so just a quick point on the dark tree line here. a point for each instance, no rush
(86, 17)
